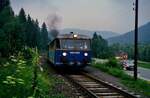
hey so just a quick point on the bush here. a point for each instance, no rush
(27, 53)
(113, 63)
(16, 79)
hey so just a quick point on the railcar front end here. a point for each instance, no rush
(70, 52)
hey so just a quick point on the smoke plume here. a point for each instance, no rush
(54, 22)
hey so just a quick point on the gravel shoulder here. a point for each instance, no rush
(62, 85)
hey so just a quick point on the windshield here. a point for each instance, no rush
(75, 44)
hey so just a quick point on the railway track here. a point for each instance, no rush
(92, 87)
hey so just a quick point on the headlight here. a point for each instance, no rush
(75, 35)
(64, 54)
(85, 54)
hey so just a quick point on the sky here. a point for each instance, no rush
(103, 15)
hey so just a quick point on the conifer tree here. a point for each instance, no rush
(37, 34)
(23, 23)
(99, 46)
(29, 32)
(44, 36)
(22, 16)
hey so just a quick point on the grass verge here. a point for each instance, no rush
(140, 86)
(144, 64)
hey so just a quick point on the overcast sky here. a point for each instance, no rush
(109, 15)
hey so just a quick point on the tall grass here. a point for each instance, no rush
(17, 78)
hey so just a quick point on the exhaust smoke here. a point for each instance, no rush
(54, 22)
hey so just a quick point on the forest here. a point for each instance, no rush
(19, 31)
(21, 41)
(102, 50)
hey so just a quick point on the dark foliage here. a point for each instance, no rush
(18, 32)
(144, 51)
(44, 38)
(3, 4)
(99, 47)
(113, 63)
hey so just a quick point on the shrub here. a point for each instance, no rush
(15, 78)
(113, 63)
(27, 53)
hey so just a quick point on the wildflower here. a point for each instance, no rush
(5, 82)
(14, 60)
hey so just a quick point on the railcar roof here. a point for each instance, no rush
(70, 36)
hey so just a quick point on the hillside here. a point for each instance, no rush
(128, 38)
(104, 34)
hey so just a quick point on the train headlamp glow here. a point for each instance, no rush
(75, 35)
(64, 54)
(85, 54)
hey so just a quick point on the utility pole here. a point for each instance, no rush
(136, 39)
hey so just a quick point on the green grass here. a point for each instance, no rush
(144, 64)
(140, 86)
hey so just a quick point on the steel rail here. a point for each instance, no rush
(122, 92)
(92, 94)
(84, 90)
